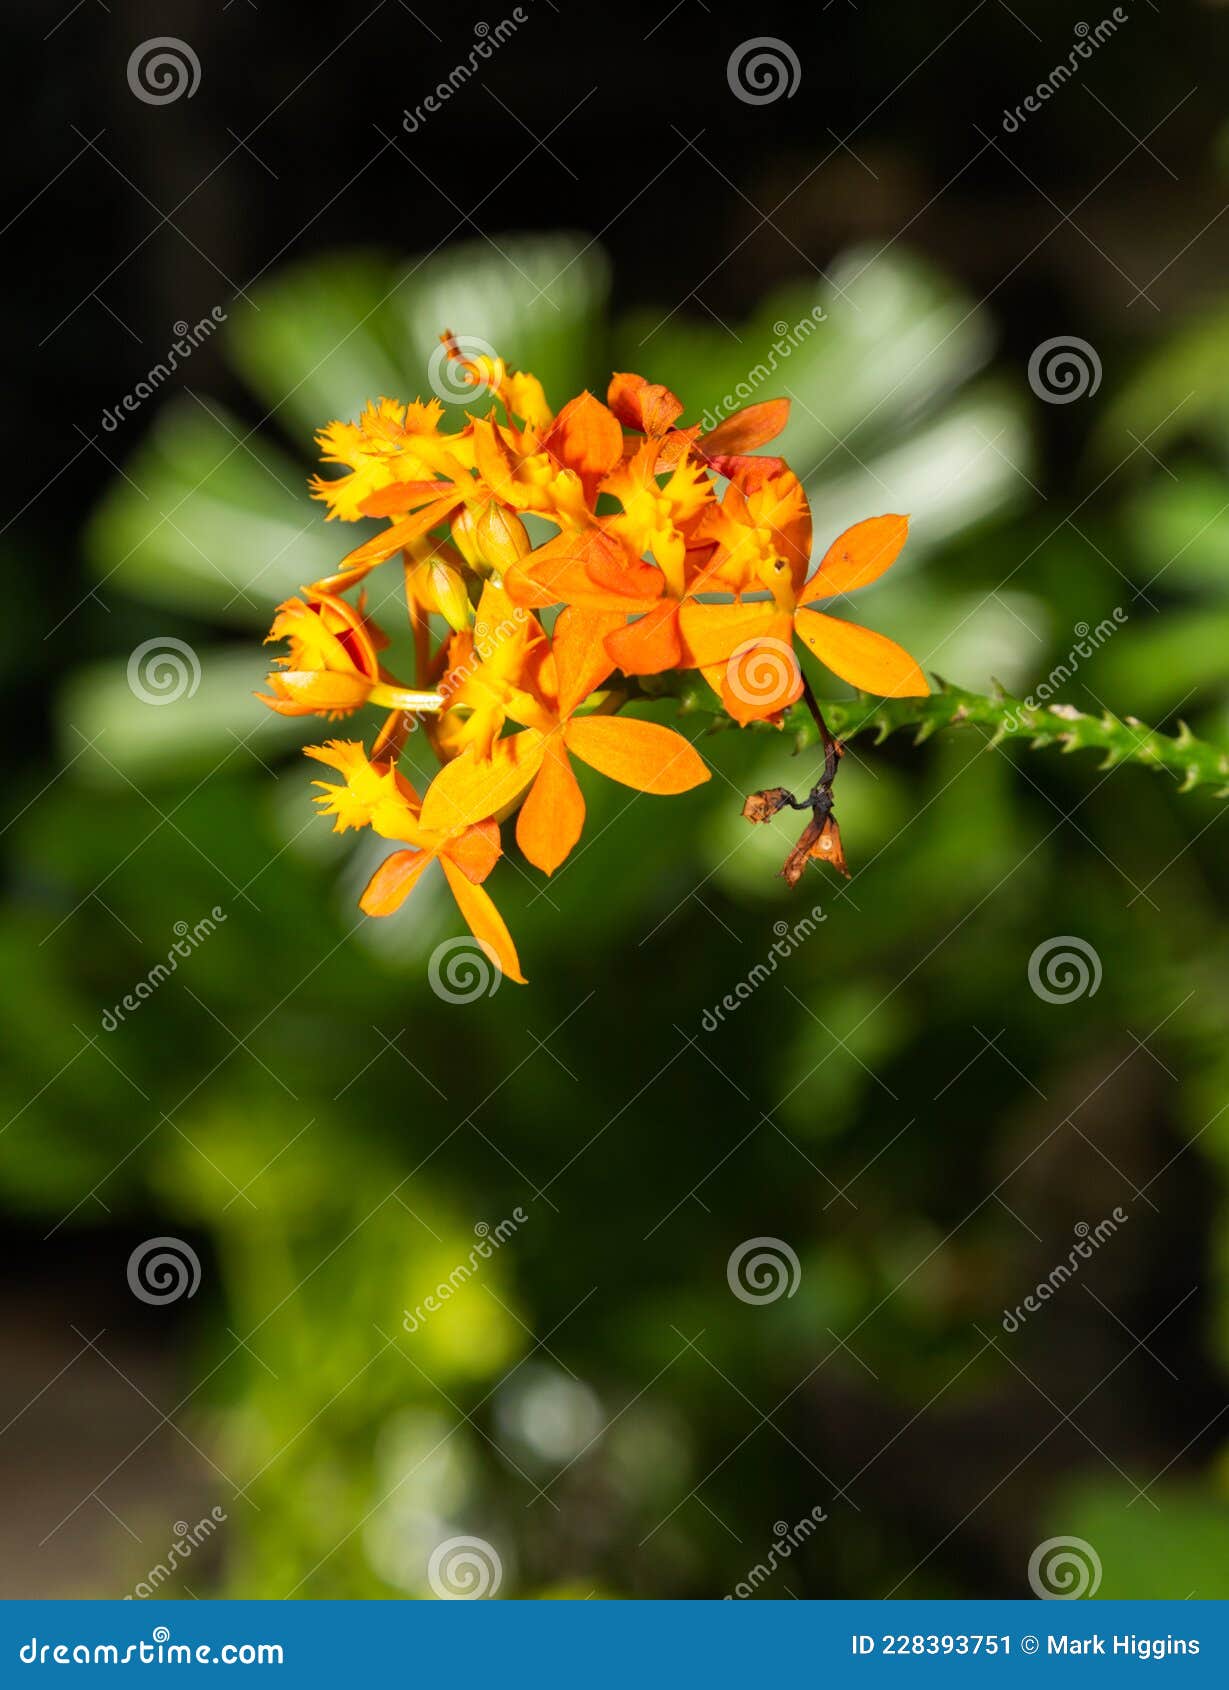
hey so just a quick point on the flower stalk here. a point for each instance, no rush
(1193, 762)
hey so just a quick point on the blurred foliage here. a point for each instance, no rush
(924, 1130)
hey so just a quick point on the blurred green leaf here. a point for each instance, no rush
(210, 519)
(1173, 1551)
(169, 712)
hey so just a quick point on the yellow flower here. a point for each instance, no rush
(378, 796)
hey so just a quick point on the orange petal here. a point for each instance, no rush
(747, 473)
(859, 556)
(401, 533)
(864, 659)
(711, 632)
(611, 566)
(393, 881)
(762, 678)
(470, 789)
(589, 570)
(643, 405)
(582, 662)
(640, 754)
(676, 445)
(753, 426)
(526, 588)
(554, 812)
(714, 674)
(307, 691)
(485, 922)
(650, 644)
(493, 456)
(476, 851)
(402, 496)
(585, 437)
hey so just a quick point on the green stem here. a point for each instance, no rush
(1192, 761)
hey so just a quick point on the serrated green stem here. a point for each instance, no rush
(1192, 761)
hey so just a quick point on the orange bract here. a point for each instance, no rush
(666, 549)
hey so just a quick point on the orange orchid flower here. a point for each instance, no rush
(745, 650)
(556, 474)
(487, 671)
(534, 764)
(643, 542)
(663, 486)
(391, 446)
(647, 408)
(604, 570)
(332, 668)
(378, 796)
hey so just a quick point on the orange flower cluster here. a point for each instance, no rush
(662, 549)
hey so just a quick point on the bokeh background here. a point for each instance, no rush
(925, 1132)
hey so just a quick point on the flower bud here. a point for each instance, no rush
(501, 538)
(463, 525)
(446, 587)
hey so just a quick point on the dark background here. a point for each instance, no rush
(903, 1049)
